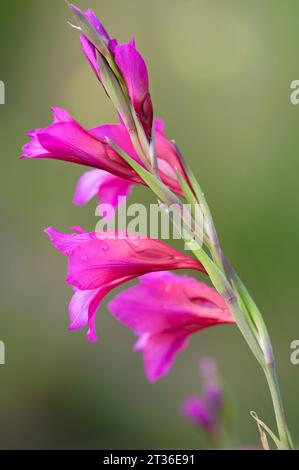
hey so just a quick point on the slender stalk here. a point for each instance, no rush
(282, 426)
(225, 290)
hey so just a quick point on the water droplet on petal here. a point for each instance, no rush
(84, 257)
(105, 247)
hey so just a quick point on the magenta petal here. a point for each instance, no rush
(67, 242)
(163, 311)
(90, 53)
(96, 261)
(213, 394)
(95, 300)
(79, 308)
(159, 125)
(109, 188)
(118, 134)
(34, 149)
(130, 63)
(134, 71)
(166, 151)
(112, 45)
(82, 308)
(197, 411)
(112, 189)
(69, 141)
(92, 19)
(66, 140)
(88, 186)
(163, 301)
(206, 410)
(77, 229)
(97, 25)
(61, 115)
(160, 351)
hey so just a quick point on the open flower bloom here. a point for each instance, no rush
(164, 310)
(98, 262)
(66, 140)
(125, 57)
(205, 410)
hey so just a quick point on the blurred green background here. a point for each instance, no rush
(220, 76)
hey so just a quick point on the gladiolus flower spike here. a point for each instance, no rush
(136, 151)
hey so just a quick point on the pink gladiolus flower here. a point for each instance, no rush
(97, 265)
(205, 411)
(66, 140)
(134, 71)
(163, 311)
(130, 63)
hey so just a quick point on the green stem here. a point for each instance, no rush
(224, 288)
(283, 430)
